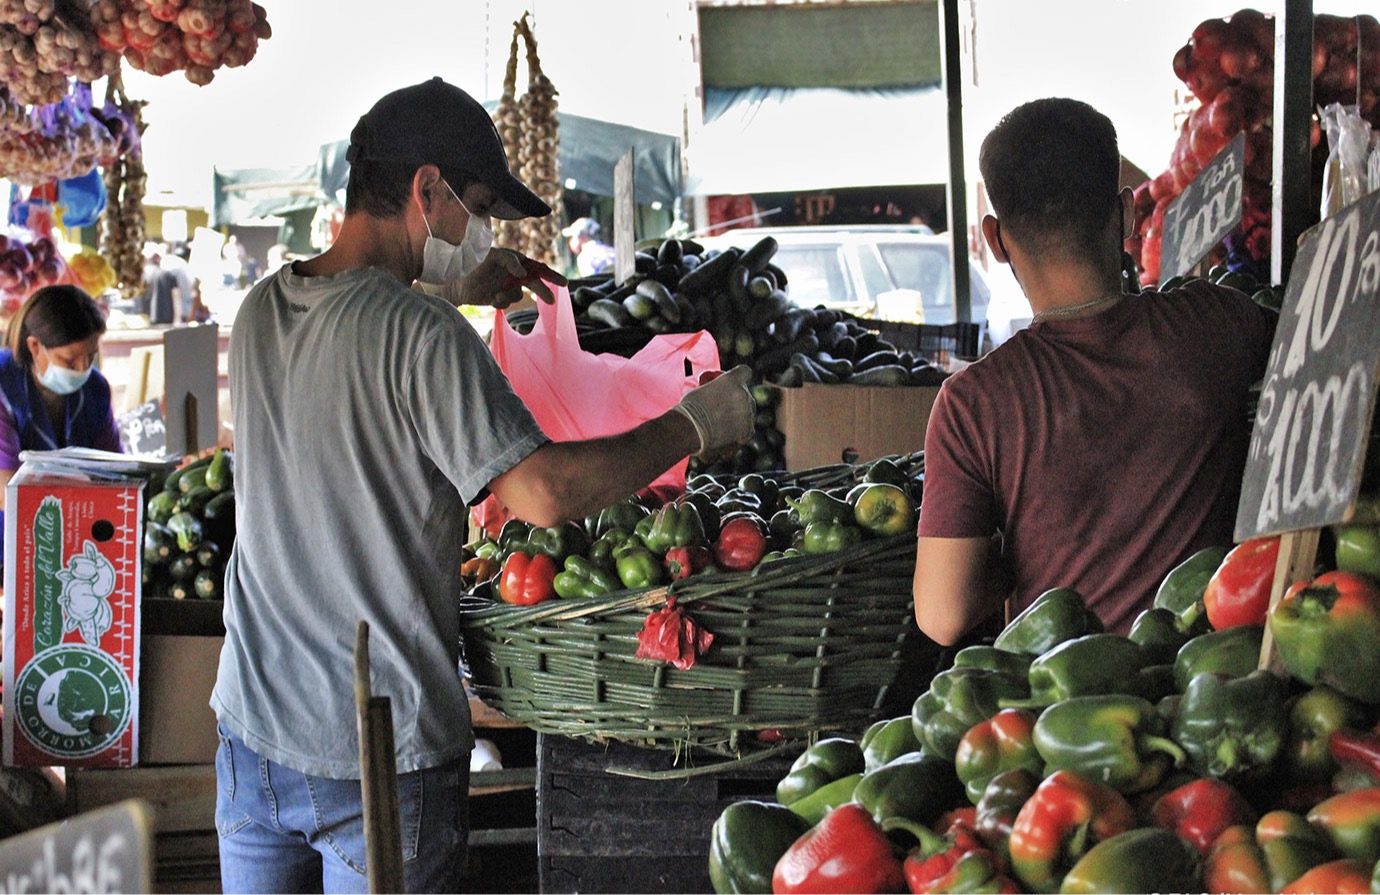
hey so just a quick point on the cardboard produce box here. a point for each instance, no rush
(822, 422)
(73, 554)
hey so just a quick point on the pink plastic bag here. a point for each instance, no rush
(575, 395)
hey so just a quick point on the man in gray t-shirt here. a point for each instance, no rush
(368, 416)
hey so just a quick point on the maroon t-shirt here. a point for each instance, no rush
(1105, 449)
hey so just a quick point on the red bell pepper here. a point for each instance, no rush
(1201, 809)
(682, 562)
(527, 578)
(1238, 593)
(1344, 876)
(1356, 750)
(1281, 848)
(741, 544)
(1352, 821)
(1062, 821)
(845, 852)
(936, 854)
(1326, 631)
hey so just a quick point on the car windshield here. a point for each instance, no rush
(926, 269)
(816, 275)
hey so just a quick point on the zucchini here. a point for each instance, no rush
(670, 252)
(884, 375)
(841, 367)
(609, 312)
(639, 306)
(708, 277)
(774, 360)
(220, 506)
(877, 359)
(192, 478)
(187, 529)
(174, 479)
(761, 286)
(811, 371)
(180, 590)
(756, 258)
(195, 500)
(183, 567)
(765, 310)
(738, 293)
(661, 298)
(220, 474)
(159, 543)
(207, 584)
(208, 555)
(161, 506)
(644, 262)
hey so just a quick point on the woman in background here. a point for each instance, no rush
(51, 394)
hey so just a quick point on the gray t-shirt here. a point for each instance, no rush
(367, 416)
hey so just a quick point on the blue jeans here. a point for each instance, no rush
(284, 831)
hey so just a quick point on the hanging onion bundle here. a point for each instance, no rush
(537, 162)
(508, 121)
(195, 37)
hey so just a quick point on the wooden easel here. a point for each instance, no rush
(378, 777)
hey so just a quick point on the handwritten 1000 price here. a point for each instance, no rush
(1310, 465)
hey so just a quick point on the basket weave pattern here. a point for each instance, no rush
(801, 645)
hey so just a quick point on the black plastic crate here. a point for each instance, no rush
(930, 339)
(603, 832)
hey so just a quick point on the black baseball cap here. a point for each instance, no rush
(435, 123)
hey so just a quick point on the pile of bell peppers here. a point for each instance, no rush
(1084, 761)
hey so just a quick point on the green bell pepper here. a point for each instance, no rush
(1084, 666)
(824, 762)
(1001, 743)
(956, 700)
(557, 542)
(1181, 591)
(1001, 801)
(989, 657)
(774, 555)
(637, 567)
(582, 579)
(1055, 616)
(829, 537)
(746, 841)
(601, 551)
(622, 515)
(1158, 633)
(1232, 726)
(708, 510)
(818, 505)
(1112, 739)
(1146, 859)
(1233, 651)
(915, 786)
(513, 536)
(1358, 548)
(766, 490)
(1326, 631)
(1313, 716)
(888, 739)
(825, 799)
(673, 525)
(1352, 821)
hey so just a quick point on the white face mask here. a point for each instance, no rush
(62, 381)
(444, 263)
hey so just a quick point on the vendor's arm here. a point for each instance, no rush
(959, 583)
(568, 480)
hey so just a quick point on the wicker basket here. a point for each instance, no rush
(801, 646)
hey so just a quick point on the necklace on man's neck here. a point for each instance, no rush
(1074, 309)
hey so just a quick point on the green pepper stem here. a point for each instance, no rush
(1150, 742)
(931, 843)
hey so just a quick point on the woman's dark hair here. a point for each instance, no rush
(55, 315)
(381, 189)
(1052, 169)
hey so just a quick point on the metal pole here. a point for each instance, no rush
(1291, 192)
(957, 189)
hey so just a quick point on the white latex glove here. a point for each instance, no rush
(721, 410)
(499, 279)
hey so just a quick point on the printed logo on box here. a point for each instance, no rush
(74, 653)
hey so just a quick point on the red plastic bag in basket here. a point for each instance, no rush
(575, 395)
(672, 636)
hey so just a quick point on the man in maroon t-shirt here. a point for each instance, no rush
(1104, 444)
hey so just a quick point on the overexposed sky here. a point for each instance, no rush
(624, 61)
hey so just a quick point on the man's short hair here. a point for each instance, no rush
(382, 189)
(1052, 169)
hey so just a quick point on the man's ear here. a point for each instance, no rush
(990, 232)
(426, 182)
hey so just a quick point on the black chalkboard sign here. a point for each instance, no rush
(106, 850)
(1205, 212)
(1311, 428)
(143, 429)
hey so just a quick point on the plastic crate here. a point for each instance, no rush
(930, 339)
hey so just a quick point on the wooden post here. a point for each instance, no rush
(378, 777)
(1297, 552)
(192, 446)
